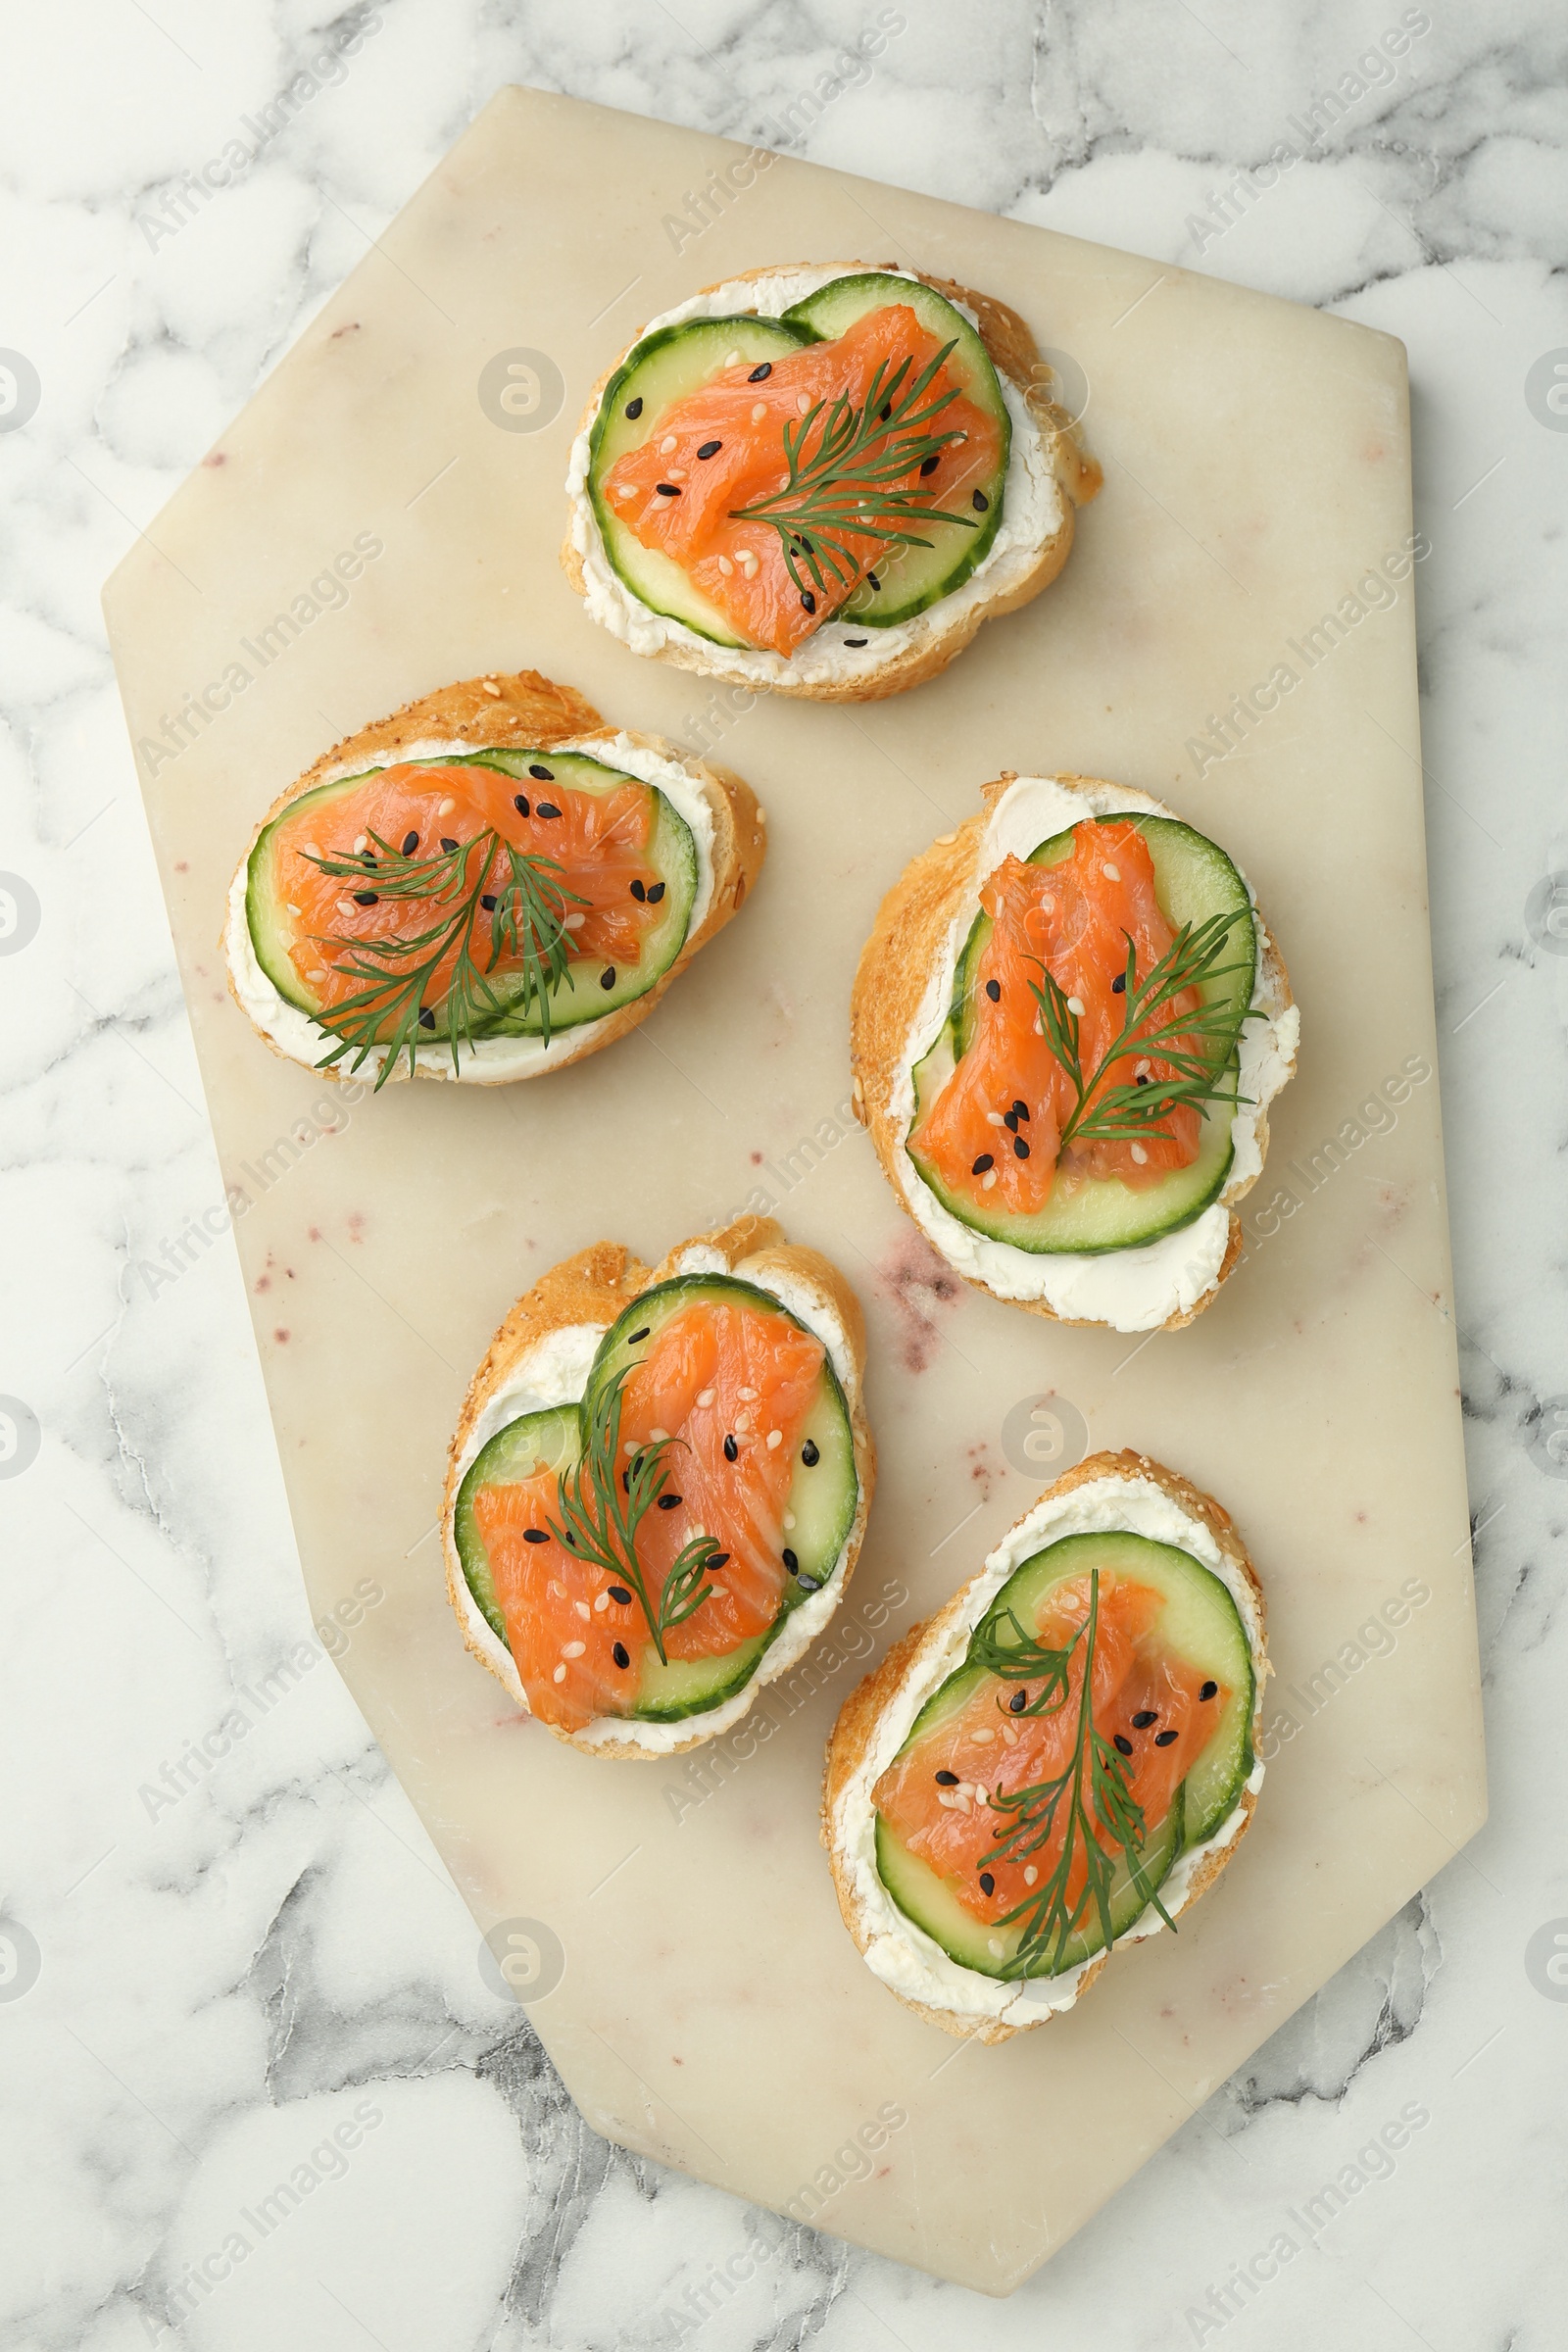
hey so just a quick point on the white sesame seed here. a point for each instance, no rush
(789, 1520)
(1141, 1071)
(362, 845)
(995, 1946)
(706, 1398)
(775, 1437)
(1141, 1155)
(574, 922)
(1039, 1026)
(582, 1608)
(858, 1091)
(1113, 873)
(988, 1179)
(1009, 1735)
(760, 411)
(572, 1650)
(345, 907)
(761, 816)
(1030, 1874)
(491, 688)
(667, 445)
(949, 1798)
(446, 807)
(559, 1675)
(803, 401)
(983, 1736)
(632, 1445)
(556, 1588)
(996, 1119)
(660, 1437)
(601, 1603)
(747, 1396)
(960, 1799)
(749, 565)
(945, 841)
(982, 1793)
(1075, 1006)
(726, 566)
(733, 360)
(293, 910)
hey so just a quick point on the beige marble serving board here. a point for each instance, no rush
(711, 2010)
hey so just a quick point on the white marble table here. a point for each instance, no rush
(223, 1971)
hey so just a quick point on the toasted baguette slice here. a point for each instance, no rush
(503, 712)
(919, 925)
(874, 1723)
(586, 1294)
(917, 649)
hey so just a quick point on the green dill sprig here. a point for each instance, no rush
(1104, 1114)
(604, 1500)
(851, 479)
(527, 920)
(1091, 1797)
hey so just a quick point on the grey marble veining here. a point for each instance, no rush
(213, 1959)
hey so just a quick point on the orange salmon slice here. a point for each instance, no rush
(600, 840)
(722, 449)
(717, 1376)
(992, 1132)
(936, 1797)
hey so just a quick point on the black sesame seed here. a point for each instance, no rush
(426, 1017)
(791, 1561)
(667, 489)
(447, 842)
(932, 462)
(710, 448)
(1021, 1150)
(620, 1593)
(546, 775)
(875, 582)
(1123, 1744)
(534, 1535)
(546, 809)
(856, 642)
(1020, 1108)
(411, 841)
(1019, 1701)
(986, 1160)
(947, 1780)
(732, 1452)
(1163, 1738)
(807, 600)
(521, 804)
(720, 1559)
(1139, 1081)
(994, 990)
(487, 902)
(810, 1454)
(634, 408)
(988, 1884)
(1208, 1691)
(1145, 1717)
(606, 978)
(639, 891)
(364, 897)
(1119, 986)
(638, 1336)
(810, 1583)
(621, 1654)
(669, 1502)
(980, 502)
(656, 891)
(1010, 1119)
(758, 373)
(887, 410)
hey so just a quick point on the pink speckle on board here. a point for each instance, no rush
(356, 1225)
(983, 1470)
(918, 1280)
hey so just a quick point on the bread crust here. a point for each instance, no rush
(1012, 350)
(528, 709)
(861, 1712)
(890, 984)
(593, 1287)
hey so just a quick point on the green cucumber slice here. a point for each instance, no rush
(663, 367)
(579, 995)
(823, 1499)
(912, 578)
(1193, 879)
(1199, 1626)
